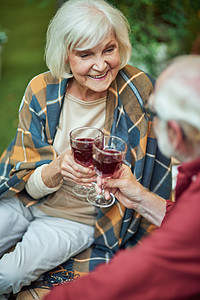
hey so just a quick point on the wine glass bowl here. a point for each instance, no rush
(82, 150)
(81, 140)
(108, 155)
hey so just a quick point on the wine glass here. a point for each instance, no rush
(81, 140)
(108, 155)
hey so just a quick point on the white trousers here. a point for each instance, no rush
(42, 243)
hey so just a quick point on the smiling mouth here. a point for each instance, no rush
(98, 76)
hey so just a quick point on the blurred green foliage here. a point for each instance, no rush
(25, 25)
(3, 37)
(160, 30)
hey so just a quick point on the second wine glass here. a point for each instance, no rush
(108, 155)
(81, 140)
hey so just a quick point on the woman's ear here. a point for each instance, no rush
(66, 58)
(175, 134)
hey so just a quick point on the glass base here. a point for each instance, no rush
(99, 200)
(80, 190)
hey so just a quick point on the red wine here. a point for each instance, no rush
(82, 150)
(107, 163)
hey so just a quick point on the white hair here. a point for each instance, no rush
(81, 25)
(177, 93)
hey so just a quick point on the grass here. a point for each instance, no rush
(25, 23)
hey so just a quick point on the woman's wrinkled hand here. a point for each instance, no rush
(72, 171)
(65, 167)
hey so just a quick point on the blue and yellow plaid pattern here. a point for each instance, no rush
(116, 227)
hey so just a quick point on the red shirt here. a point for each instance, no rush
(165, 266)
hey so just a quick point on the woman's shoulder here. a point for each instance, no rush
(43, 79)
(131, 69)
(132, 73)
(45, 85)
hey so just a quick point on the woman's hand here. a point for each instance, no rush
(133, 195)
(65, 167)
(70, 170)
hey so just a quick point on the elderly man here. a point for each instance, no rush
(167, 264)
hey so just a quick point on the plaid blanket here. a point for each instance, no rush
(116, 227)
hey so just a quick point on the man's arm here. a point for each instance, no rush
(133, 195)
(165, 266)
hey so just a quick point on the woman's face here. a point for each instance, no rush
(94, 69)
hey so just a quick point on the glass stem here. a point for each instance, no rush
(102, 190)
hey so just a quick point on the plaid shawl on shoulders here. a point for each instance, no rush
(116, 227)
(32, 146)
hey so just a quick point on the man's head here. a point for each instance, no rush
(177, 102)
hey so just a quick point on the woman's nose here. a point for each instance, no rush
(99, 64)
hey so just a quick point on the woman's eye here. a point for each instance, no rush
(84, 55)
(110, 49)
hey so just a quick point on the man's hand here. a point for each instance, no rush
(133, 195)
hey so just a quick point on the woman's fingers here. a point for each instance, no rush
(70, 170)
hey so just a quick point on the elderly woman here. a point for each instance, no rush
(89, 84)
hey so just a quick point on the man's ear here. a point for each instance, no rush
(175, 134)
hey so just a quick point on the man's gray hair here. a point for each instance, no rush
(177, 95)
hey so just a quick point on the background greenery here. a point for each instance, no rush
(160, 30)
(25, 23)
